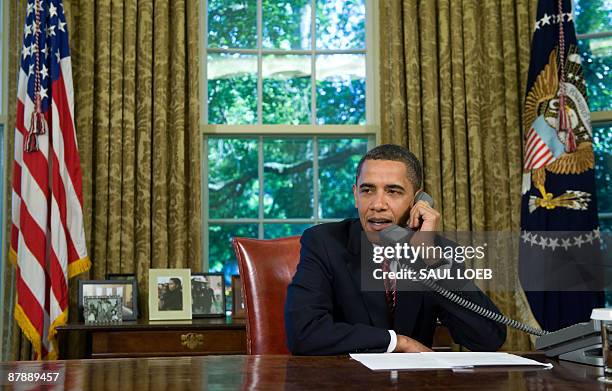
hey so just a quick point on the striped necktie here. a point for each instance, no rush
(390, 293)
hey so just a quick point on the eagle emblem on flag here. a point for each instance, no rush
(549, 146)
(541, 120)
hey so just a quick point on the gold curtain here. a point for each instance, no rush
(453, 76)
(135, 73)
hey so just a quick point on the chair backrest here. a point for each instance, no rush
(266, 269)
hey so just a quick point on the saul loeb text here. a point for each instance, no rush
(426, 262)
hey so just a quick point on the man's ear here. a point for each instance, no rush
(355, 195)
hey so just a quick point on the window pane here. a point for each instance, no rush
(232, 24)
(340, 24)
(288, 182)
(233, 187)
(221, 257)
(286, 89)
(338, 159)
(602, 146)
(273, 231)
(286, 24)
(597, 63)
(232, 89)
(341, 89)
(593, 16)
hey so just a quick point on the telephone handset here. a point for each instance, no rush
(422, 196)
(579, 343)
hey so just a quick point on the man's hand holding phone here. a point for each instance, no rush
(423, 217)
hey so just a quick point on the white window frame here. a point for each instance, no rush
(371, 129)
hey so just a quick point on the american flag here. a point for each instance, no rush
(47, 233)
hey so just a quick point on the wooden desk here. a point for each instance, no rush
(144, 338)
(295, 373)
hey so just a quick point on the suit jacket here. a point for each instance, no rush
(327, 313)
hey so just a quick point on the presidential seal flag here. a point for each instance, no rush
(559, 210)
(47, 234)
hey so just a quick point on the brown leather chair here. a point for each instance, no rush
(266, 269)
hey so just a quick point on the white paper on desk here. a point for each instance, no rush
(441, 360)
(389, 361)
(479, 359)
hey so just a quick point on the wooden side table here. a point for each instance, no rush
(144, 338)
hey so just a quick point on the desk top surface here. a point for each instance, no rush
(292, 373)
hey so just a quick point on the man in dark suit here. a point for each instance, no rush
(327, 312)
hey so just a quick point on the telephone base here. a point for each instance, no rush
(580, 343)
(590, 355)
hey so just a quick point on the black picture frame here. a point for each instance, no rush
(130, 305)
(199, 283)
(121, 276)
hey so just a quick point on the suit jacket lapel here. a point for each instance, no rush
(373, 299)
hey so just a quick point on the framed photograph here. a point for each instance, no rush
(169, 294)
(103, 309)
(128, 277)
(127, 290)
(207, 295)
(238, 306)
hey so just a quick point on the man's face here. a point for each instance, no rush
(172, 285)
(383, 194)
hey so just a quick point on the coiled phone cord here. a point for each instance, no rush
(494, 316)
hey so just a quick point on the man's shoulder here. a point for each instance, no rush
(336, 229)
(334, 236)
(330, 242)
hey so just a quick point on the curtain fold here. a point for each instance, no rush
(136, 92)
(453, 77)
(135, 71)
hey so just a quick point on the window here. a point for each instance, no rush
(289, 110)
(594, 29)
(593, 20)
